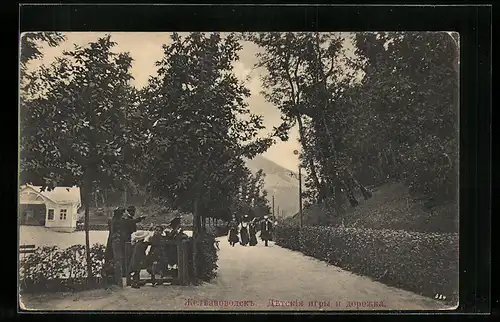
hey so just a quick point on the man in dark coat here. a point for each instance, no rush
(266, 230)
(114, 257)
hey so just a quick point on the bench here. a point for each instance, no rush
(26, 249)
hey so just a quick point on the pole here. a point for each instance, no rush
(300, 196)
(273, 205)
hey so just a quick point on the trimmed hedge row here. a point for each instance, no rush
(51, 269)
(425, 263)
(101, 227)
(206, 258)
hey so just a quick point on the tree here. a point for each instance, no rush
(200, 126)
(73, 117)
(30, 50)
(305, 77)
(410, 92)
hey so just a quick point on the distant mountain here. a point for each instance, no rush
(278, 182)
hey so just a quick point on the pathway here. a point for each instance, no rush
(252, 278)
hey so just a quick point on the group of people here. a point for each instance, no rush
(139, 249)
(245, 232)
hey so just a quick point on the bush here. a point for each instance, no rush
(51, 269)
(101, 227)
(419, 262)
(206, 258)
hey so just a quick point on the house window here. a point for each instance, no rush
(50, 216)
(62, 214)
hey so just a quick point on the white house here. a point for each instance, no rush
(56, 209)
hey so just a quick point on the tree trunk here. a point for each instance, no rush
(103, 197)
(338, 200)
(196, 232)
(310, 161)
(125, 197)
(87, 194)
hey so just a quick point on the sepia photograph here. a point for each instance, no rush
(238, 171)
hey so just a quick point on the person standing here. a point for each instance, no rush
(130, 227)
(233, 232)
(114, 250)
(155, 259)
(138, 259)
(174, 233)
(244, 236)
(266, 230)
(252, 230)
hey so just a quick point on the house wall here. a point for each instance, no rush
(68, 224)
(29, 197)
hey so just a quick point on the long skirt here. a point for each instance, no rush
(233, 236)
(138, 258)
(253, 239)
(244, 236)
(118, 262)
(266, 235)
(156, 259)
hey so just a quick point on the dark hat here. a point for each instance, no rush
(131, 208)
(118, 212)
(175, 221)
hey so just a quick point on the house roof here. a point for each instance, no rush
(62, 195)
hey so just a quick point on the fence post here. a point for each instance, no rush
(128, 247)
(182, 262)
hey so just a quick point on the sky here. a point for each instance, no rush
(146, 48)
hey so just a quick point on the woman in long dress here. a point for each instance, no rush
(232, 236)
(115, 247)
(244, 236)
(252, 229)
(140, 243)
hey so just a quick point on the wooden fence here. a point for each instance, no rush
(183, 268)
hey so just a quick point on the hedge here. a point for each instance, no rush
(101, 227)
(206, 258)
(424, 263)
(51, 269)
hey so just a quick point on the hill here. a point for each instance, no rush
(278, 183)
(391, 207)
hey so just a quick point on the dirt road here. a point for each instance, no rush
(251, 278)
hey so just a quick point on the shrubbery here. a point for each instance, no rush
(206, 258)
(51, 269)
(101, 227)
(425, 263)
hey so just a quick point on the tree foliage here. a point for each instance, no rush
(388, 112)
(199, 124)
(74, 120)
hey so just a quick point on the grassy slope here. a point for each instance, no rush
(391, 207)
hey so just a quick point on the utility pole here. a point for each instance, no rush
(300, 196)
(278, 211)
(296, 152)
(273, 205)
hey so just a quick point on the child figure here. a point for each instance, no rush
(155, 257)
